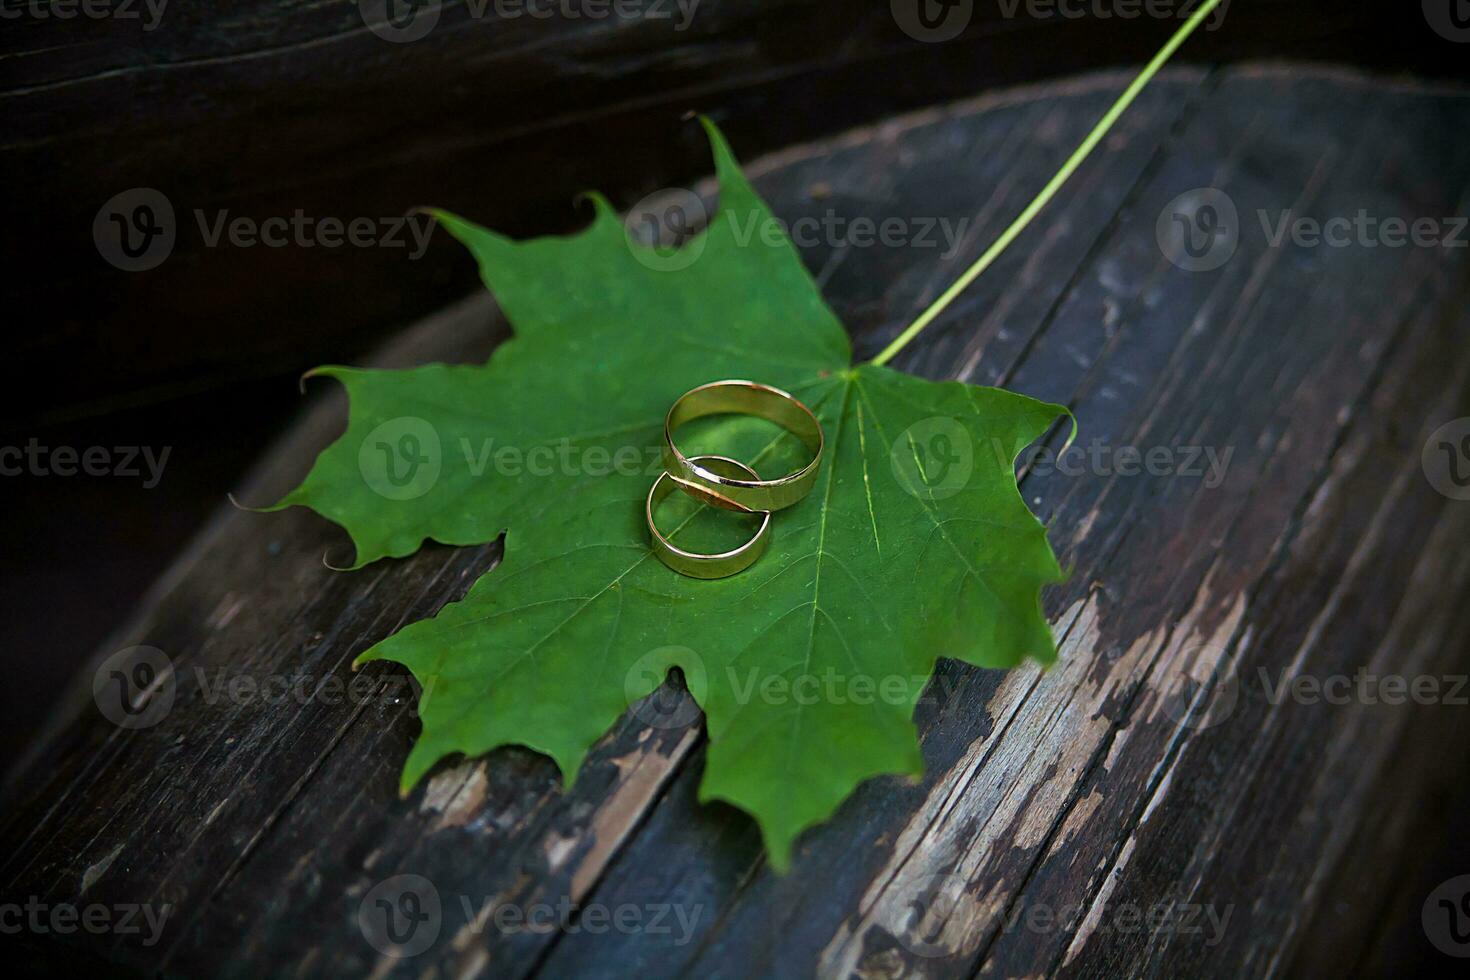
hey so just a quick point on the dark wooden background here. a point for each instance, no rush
(1111, 779)
(267, 107)
(264, 107)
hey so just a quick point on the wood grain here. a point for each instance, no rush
(1149, 767)
(260, 109)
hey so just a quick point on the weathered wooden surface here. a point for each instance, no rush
(261, 108)
(1052, 804)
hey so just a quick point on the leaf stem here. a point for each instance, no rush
(1050, 190)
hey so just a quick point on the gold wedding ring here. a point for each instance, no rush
(735, 492)
(692, 563)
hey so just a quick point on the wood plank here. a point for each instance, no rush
(263, 108)
(1322, 548)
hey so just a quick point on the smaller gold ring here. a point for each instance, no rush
(743, 398)
(692, 563)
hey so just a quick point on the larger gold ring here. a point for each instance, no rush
(743, 398)
(692, 563)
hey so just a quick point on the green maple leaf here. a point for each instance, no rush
(915, 542)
